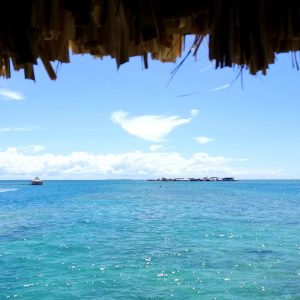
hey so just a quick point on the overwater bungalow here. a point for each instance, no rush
(37, 181)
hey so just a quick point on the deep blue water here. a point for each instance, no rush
(150, 240)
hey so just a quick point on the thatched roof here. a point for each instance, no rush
(244, 32)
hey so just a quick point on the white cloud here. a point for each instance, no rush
(155, 147)
(225, 86)
(148, 127)
(38, 148)
(194, 112)
(32, 148)
(137, 165)
(11, 95)
(8, 129)
(203, 140)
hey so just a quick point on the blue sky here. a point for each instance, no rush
(97, 122)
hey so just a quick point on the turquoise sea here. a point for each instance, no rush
(150, 240)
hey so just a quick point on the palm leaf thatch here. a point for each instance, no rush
(247, 33)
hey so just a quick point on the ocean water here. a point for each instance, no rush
(150, 240)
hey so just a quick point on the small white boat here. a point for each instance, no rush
(37, 181)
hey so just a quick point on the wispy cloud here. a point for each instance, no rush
(205, 69)
(11, 95)
(8, 129)
(225, 86)
(139, 165)
(194, 112)
(155, 147)
(203, 140)
(148, 127)
(189, 94)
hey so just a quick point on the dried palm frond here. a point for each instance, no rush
(246, 33)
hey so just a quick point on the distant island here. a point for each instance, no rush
(195, 179)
